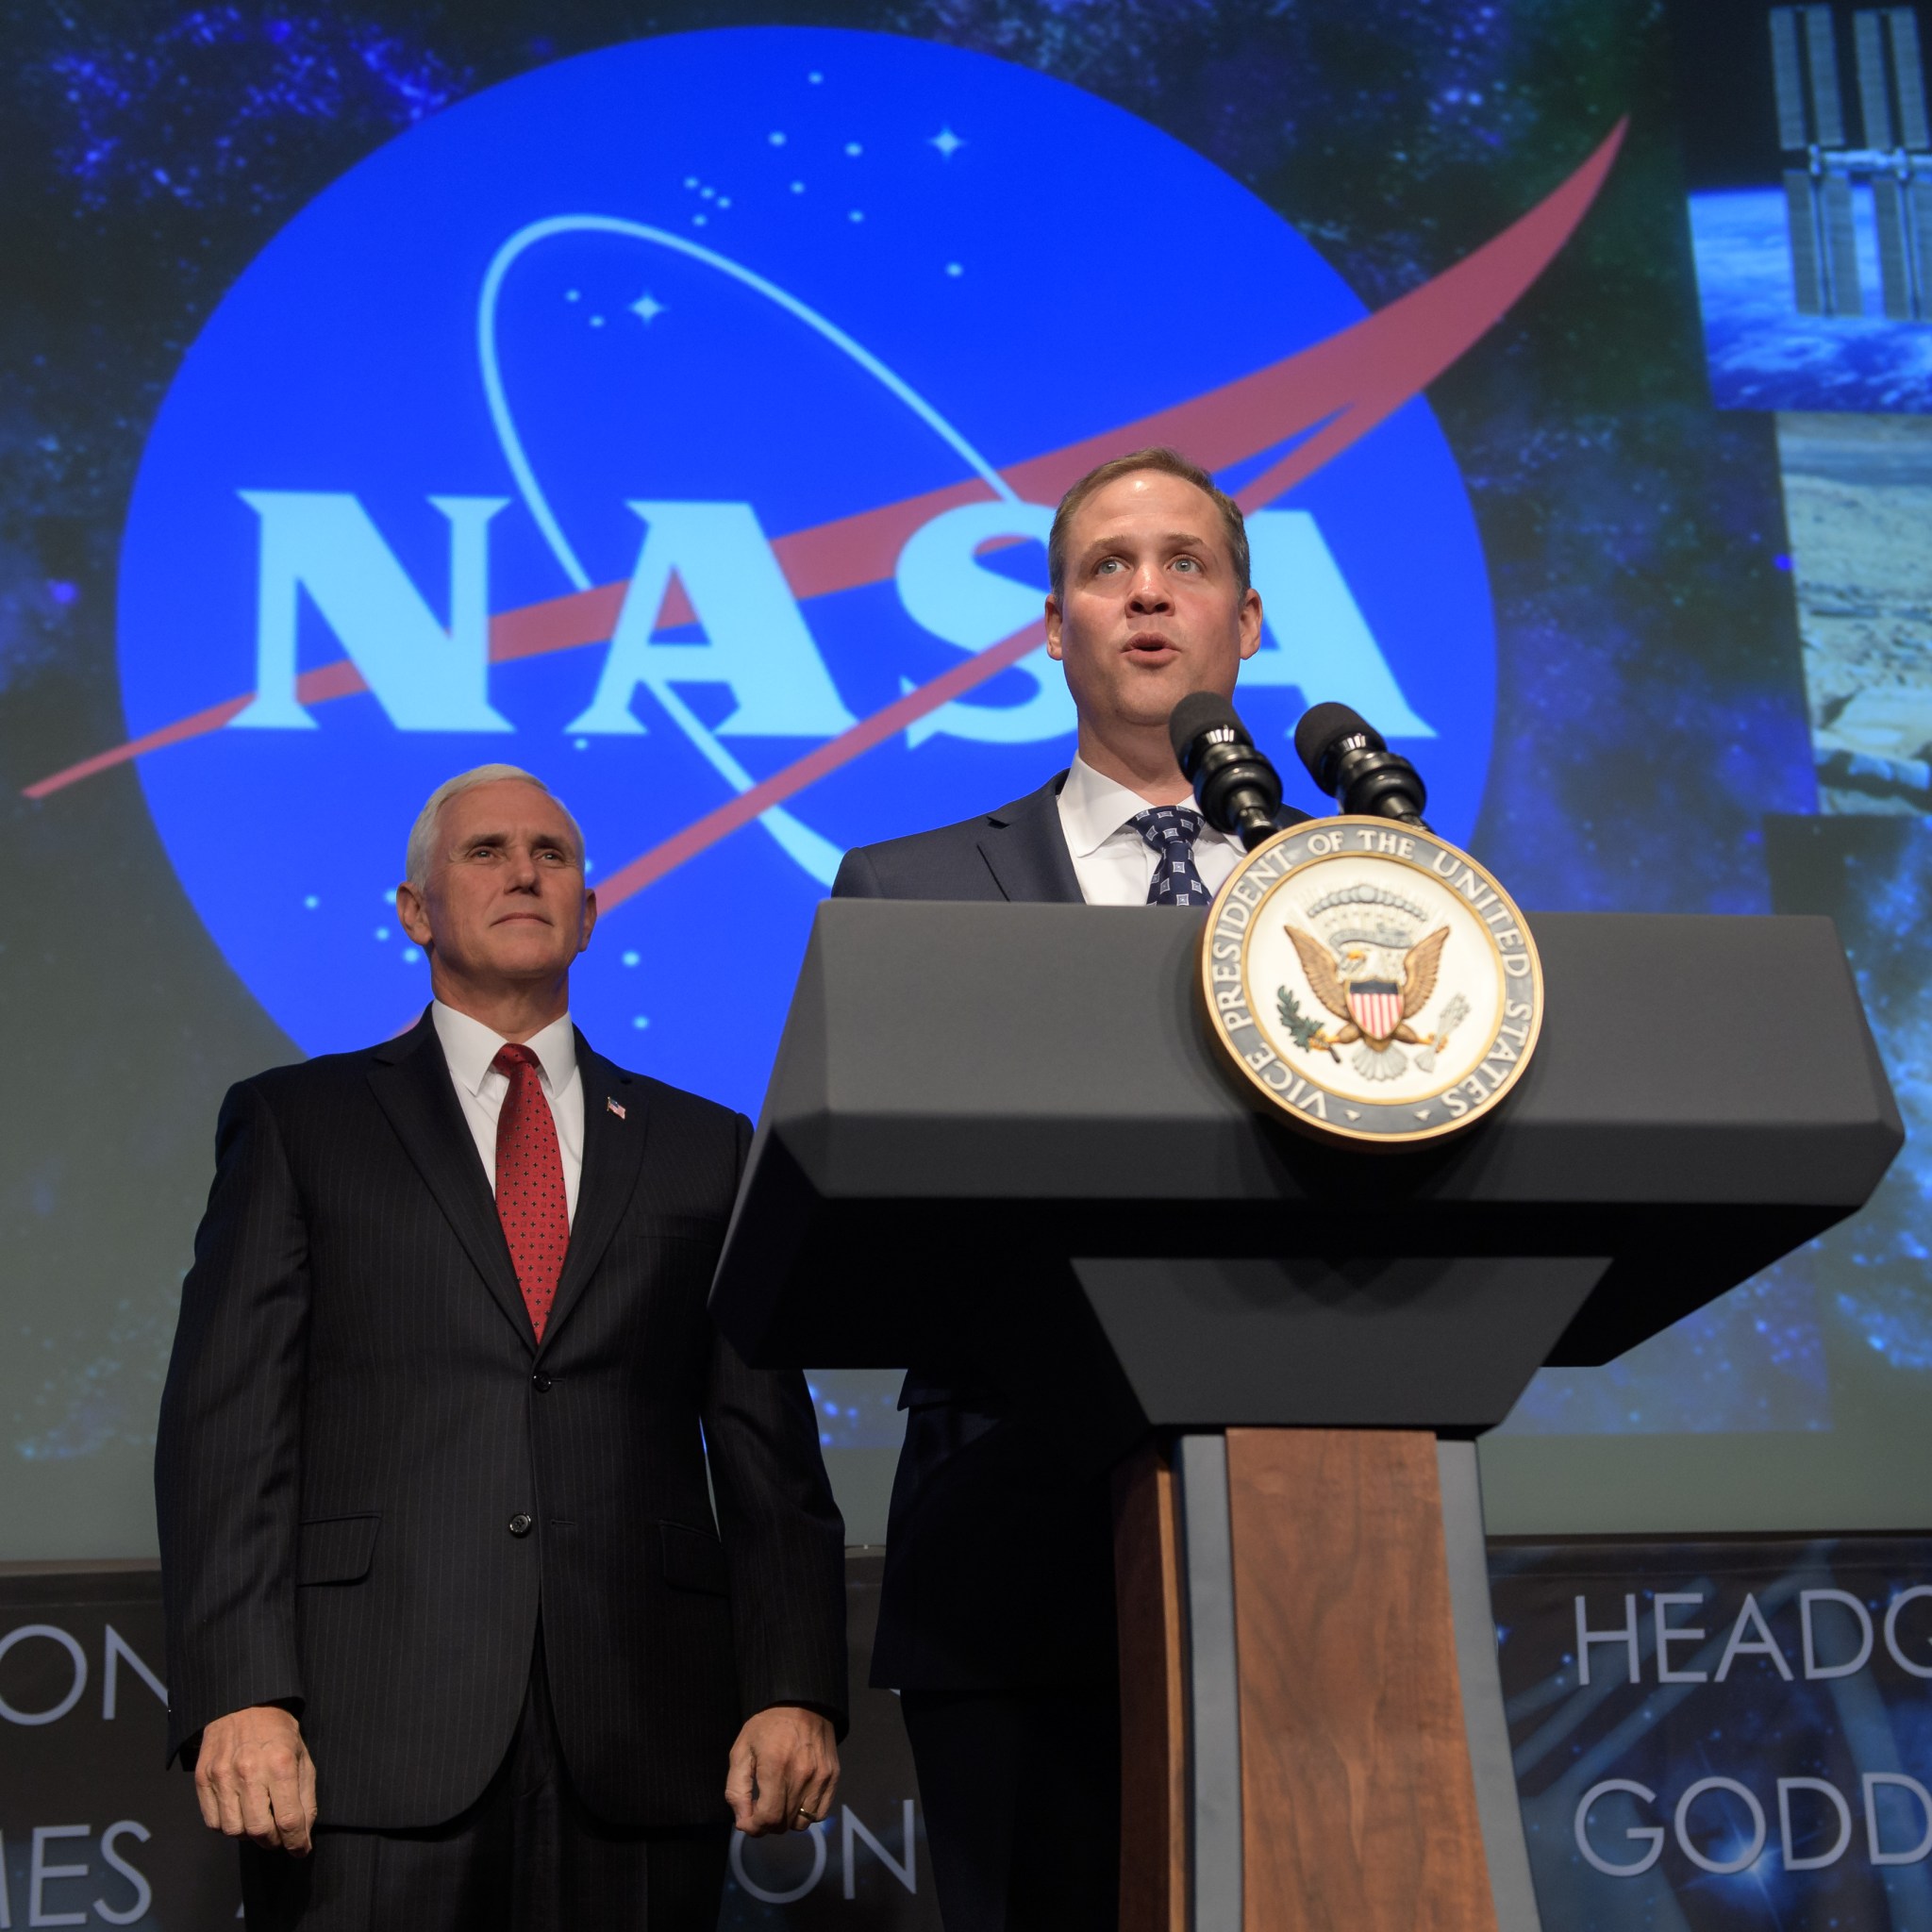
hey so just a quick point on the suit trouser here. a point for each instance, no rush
(1021, 1790)
(526, 1857)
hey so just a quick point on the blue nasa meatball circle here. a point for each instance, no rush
(664, 325)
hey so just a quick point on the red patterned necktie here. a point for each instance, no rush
(530, 1198)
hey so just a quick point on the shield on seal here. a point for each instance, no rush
(1376, 1007)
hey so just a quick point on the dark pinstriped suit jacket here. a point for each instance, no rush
(999, 1548)
(357, 1408)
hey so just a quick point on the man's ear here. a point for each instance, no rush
(413, 914)
(1251, 623)
(590, 921)
(1053, 628)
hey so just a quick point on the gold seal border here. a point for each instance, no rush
(1313, 1126)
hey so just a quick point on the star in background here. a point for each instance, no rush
(947, 143)
(647, 307)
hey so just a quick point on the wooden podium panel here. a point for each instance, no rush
(1154, 1796)
(1358, 1808)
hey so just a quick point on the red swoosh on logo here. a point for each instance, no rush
(1346, 385)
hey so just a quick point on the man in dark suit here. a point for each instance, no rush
(440, 1562)
(997, 1621)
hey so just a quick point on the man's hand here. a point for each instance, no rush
(255, 1779)
(784, 1769)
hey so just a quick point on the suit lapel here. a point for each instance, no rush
(412, 1084)
(1025, 850)
(613, 1156)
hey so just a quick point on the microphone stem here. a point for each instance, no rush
(1254, 826)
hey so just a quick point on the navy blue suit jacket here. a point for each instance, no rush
(999, 1556)
(1018, 853)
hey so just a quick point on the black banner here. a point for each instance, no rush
(95, 1831)
(1710, 1735)
(1722, 1734)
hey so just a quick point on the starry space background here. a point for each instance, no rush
(1651, 704)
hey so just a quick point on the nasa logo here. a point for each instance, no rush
(683, 422)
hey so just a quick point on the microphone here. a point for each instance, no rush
(1237, 789)
(1347, 759)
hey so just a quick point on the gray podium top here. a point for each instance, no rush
(967, 1094)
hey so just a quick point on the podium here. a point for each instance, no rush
(999, 1133)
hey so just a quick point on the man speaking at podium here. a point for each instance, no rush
(430, 1478)
(997, 1625)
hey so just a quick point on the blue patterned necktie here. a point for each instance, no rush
(1171, 829)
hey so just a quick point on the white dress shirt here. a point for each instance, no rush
(1113, 864)
(469, 1047)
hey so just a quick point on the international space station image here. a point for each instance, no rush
(1821, 166)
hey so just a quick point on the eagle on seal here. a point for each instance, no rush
(1374, 1010)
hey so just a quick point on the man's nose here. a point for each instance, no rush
(1150, 588)
(523, 872)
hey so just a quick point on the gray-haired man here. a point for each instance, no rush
(454, 1637)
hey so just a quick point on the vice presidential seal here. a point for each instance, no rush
(1373, 980)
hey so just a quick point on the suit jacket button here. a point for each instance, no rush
(520, 1524)
(541, 1383)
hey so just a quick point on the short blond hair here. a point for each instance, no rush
(1169, 462)
(421, 849)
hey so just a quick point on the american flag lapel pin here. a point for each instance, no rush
(611, 1106)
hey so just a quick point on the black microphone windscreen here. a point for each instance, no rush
(1199, 711)
(1323, 726)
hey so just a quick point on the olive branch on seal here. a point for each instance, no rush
(1302, 1029)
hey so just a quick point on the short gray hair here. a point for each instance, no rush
(422, 846)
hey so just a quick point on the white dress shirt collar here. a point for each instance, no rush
(469, 1046)
(1093, 808)
(1112, 863)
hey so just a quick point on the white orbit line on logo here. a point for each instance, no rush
(816, 856)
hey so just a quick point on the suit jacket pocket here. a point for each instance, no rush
(337, 1549)
(693, 1560)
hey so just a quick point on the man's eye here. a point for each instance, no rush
(1186, 563)
(1105, 564)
